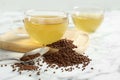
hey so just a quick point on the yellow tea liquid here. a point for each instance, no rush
(87, 22)
(46, 29)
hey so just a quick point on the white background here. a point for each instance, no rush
(22, 5)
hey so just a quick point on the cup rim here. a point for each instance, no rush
(33, 12)
(88, 8)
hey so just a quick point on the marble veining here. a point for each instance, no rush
(104, 50)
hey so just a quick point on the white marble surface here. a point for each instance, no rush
(104, 51)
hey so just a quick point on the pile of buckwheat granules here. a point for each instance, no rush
(65, 58)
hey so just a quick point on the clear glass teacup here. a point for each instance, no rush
(87, 19)
(45, 27)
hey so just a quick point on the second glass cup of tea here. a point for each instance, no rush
(45, 27)
(87, 19)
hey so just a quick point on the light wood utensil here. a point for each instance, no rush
(17, 40)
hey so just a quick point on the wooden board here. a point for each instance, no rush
(18, 40)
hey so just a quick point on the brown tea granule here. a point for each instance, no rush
(1, 65)
(26, 67)
(13, 66)
(30, 75)
(18, 64)
(41, 65)
(66, 56)
(54, 72)
(38, 63)
(38, 73)
(56, 67)
(20, 72)
(78, 67)
(62, 43)
(30, 57)
(31, 62)
(47, 67)
(45, 70)
(43, 61)
(62, 69)
(14, 70)
(83, 68)
(92, 68)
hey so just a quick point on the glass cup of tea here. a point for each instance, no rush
(87, 19)
(45, 27)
